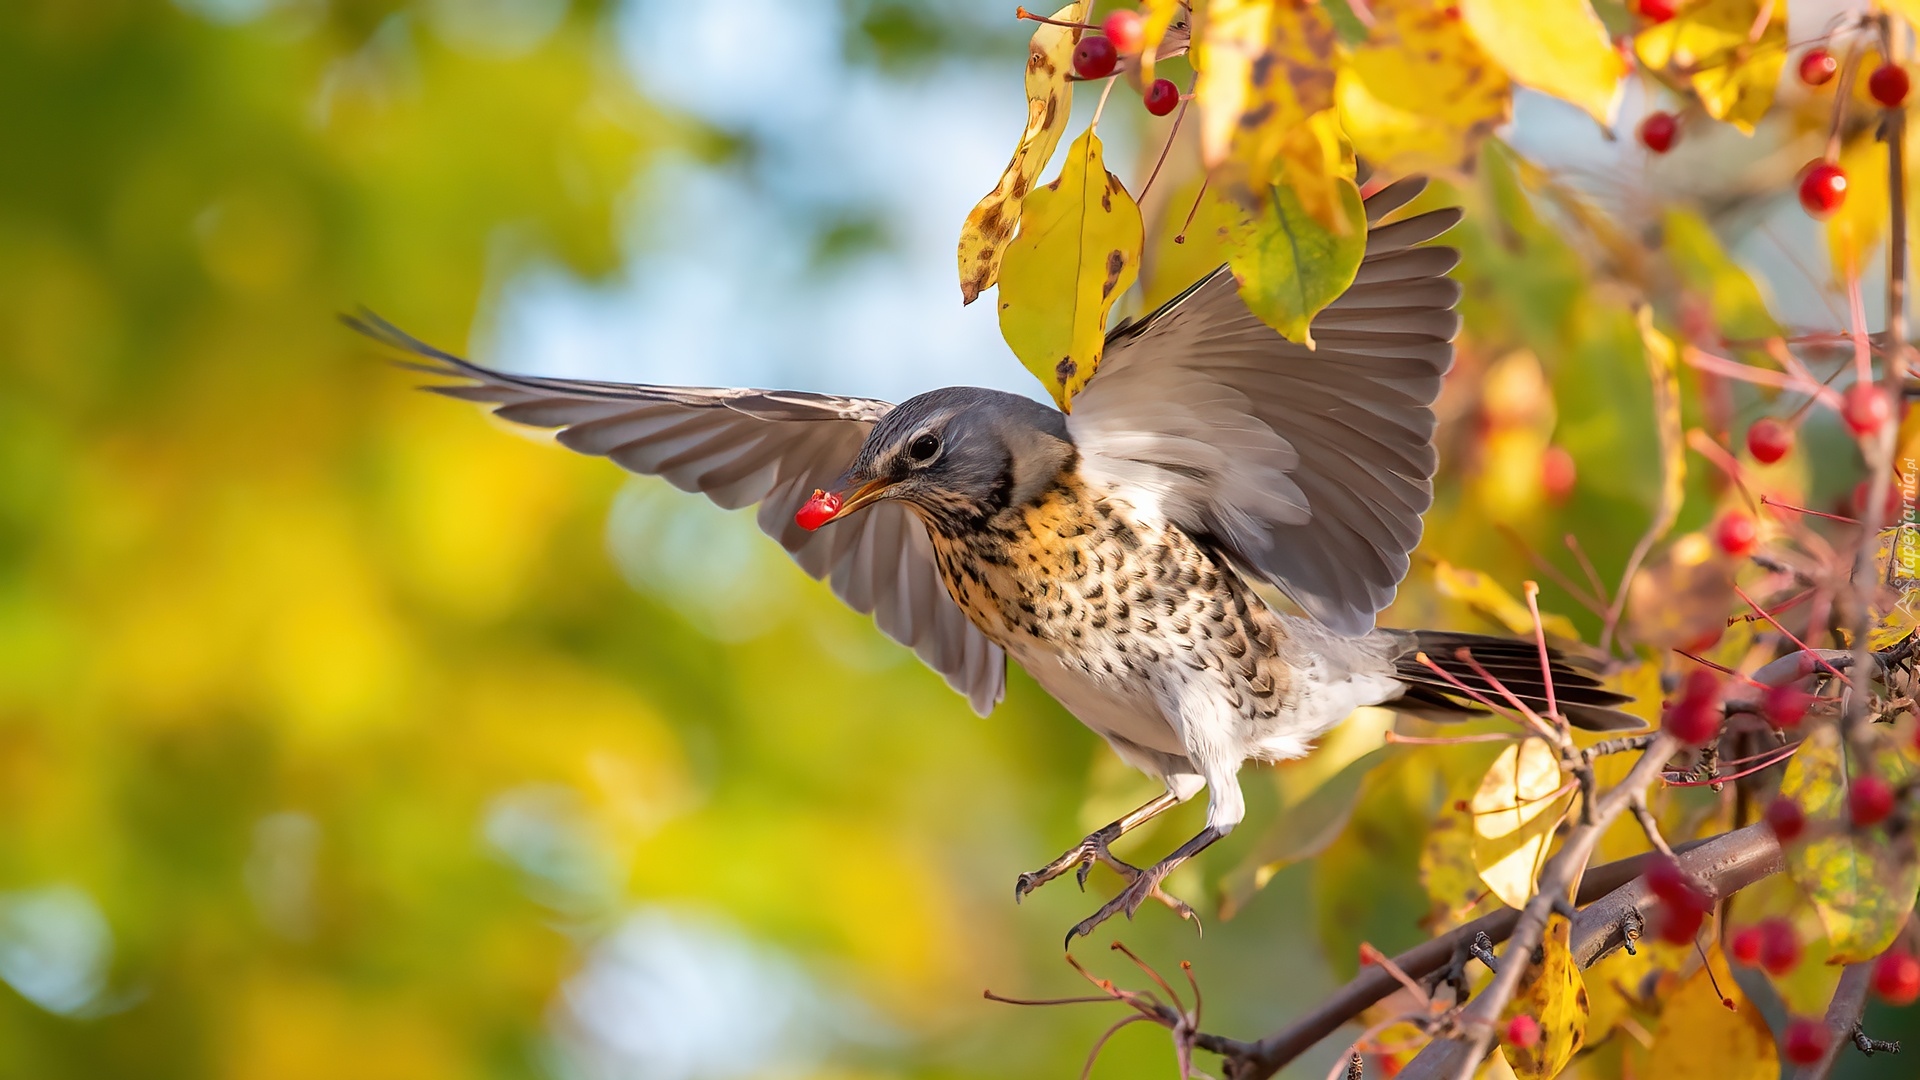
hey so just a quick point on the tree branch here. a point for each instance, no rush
(1843, 1016)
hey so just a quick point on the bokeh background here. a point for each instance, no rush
(345, 733)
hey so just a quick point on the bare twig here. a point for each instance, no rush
(1613, 892)
(1843, 1018)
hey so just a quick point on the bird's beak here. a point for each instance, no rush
(826, 506)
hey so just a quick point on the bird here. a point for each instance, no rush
(1118, 551)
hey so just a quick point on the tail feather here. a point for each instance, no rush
(1577, 691)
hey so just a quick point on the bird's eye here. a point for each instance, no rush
(923, 448)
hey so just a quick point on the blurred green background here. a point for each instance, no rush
(345, 734)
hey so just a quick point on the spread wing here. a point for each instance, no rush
(1309, 467)
(739, 447)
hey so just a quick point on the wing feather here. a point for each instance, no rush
(1310, 468)
(740, 447)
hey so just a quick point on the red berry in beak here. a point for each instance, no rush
(822, 508)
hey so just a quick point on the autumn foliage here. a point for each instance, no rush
(1769, 644)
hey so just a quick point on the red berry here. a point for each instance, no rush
(1890, 507)
(1658, 131)
(822, 508)
(1745, 946)
(1786, 706)
(1693, 722)
(1896, 978)
(1736, 533)
(1656, 11)
(1823, 187)
(1557, 473)
(1094, 57)
(1162, 96)
(1888, 84)
(1786, 819)
(1523, 1031)
(1818, 67)
(1677, 925)
(1695, 718)
(1805, 1041)
(1124, 30)
(1675, 886)
(1865, 409)
(1779, 946)
(1769, 440)
(1870, 801)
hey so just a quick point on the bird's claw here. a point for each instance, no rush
(1080, 858)
(1145, 884)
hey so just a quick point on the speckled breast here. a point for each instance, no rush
(1076, 575)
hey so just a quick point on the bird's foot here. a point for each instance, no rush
(1144, 885)
(1079, 857)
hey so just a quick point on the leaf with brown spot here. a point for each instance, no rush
(990, 225)
(1078, 250)
(1552, 992)
(1419, 95)
(1267, 108)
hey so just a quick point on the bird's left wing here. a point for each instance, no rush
(740, 447)
(1309, 467)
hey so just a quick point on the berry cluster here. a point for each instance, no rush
(1774, 946)
(1695, 718)
(1822, 183)
(1096, 56)
(1684, 904)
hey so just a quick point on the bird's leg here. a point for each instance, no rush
(1094, 848)
(1146, 884)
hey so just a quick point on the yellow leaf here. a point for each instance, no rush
(1418, 95)
(1861, 882)
(1558, 47)
(1447, 869)
(1622, 984)
(1699, 1038)
(1712, 44)
(1289, 266)
(1266, 106)
(990, 225)
(1156, 18)
(1551, 992)
(1520, 802)
(1078, 250)
(1203, 244)
(1855, 230)
(1485, 596)
(1682, 597)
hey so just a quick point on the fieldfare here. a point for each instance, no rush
(1113, 551)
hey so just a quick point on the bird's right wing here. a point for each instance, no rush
(740, 447)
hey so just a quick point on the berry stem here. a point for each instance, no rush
(1172, 133)
(1181, 236)
(1023, 13)
(1105, 92)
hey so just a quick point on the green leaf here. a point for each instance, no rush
(1861, 882)
(1290, 266)
(1308, 830)
(1077, 252)
(1739, 308)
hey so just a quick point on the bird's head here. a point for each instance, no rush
(955, 455)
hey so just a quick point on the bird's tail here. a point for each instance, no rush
(1472, 658)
